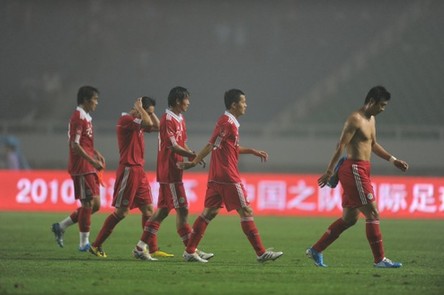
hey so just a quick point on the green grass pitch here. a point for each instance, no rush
(32, 263)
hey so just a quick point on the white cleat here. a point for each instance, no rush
(203, 255)
(387, 263)
(193, 257)
(269, 255)
(143, 255)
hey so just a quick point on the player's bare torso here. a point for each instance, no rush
(360, 145)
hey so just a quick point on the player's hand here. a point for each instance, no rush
(150, 110)
(98, 165)
(99, 162)
(202, 162)
(402, 165)
(322, 181)
(261, 154)
(100, 158)
(191, 158)
(138, 104)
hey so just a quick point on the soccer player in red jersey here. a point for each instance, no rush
(172, 148)
(358, 138)
(224, 183)
(131, 188)
(84, 164)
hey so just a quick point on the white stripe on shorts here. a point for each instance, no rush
(82, 187)
(240, 194)
(122, 186)
(358, 183)
(174, 194)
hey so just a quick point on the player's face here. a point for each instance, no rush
(91, 104)
(150, 109)
(241, 106)
(379, 107)
(184, 105)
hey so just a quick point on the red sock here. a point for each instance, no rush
(144, 220)
(374, 237)
(185, 233)
(110, 222)
(199, 227)
(333, 232)
(75, 215)
(149, 235)
(250, 230)
(84, 217)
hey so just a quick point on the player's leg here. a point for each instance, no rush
(191, 252)
(107, 228)
(125, 188)
(84, 223)
(149, 235)
(182, 226)
(144, 198)
(348, 219)
(59, 228)
(374, 237)
(89, 198)
(151, 227)
(252, 233)
(147, 248)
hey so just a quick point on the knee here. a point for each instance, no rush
(373, 214)
(95, 208)
(210, 213)
(95, 204)
(350, 221)
(147, 212)
(160, 215)
(211, 216)
(245, 212)
(122, 212)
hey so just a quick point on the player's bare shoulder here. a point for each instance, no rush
(354, 120)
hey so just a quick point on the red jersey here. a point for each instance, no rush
(225, 154)
(130, 140)
(80, 130)
(172, 132)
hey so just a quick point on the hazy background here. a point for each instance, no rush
(304, 66)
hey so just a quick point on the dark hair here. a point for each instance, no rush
(147, 102)
(232, 95)
(86, 93)
(378, 93)
(177, 93)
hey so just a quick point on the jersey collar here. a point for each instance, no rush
(84, 114)
(178, 118)
(233, 118)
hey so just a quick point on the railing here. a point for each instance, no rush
(396, 132)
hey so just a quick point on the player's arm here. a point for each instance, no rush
(261, 154)
(348, 131)
(198, 159)
(382, 153)
(100, 157)
(154, 119)
(77, 148)
(183, 151)
(146, 123)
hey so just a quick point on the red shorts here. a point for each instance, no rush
(172, 195)
(355, 180)
(233, 195)
(86, 187)
(131, 188)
